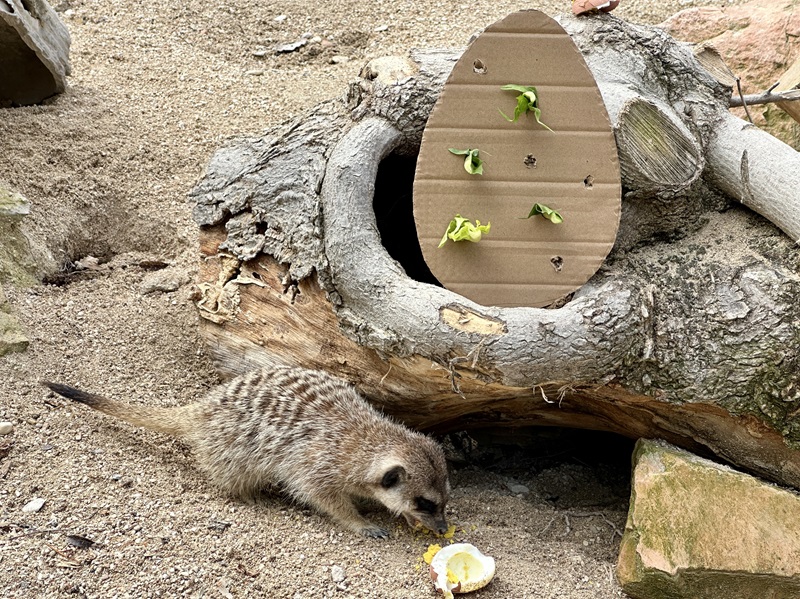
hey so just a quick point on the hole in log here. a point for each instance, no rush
(479, 66)
(530, 161)
(557, 262)
(394, 215)
(588, 182)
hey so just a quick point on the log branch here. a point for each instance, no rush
(767, 97)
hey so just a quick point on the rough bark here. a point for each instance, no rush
(687, 333)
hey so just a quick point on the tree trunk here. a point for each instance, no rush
(687, 333)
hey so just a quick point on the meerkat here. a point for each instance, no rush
(309, 433)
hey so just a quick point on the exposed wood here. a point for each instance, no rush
(790, 82)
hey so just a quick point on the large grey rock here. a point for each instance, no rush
(34, 61)
(699, 530)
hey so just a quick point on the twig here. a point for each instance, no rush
(546, 528)
(383, 378)
(601, 515)
(744, 104)
(68, 560)
(768, 97)
(475, 353)
(35, 532)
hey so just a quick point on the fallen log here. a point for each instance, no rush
(687, 333)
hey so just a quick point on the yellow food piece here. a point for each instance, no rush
(432, 550)
(451, 577)
(451, 531)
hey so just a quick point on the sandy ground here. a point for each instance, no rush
(107, 166)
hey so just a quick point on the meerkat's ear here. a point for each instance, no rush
(393, 476)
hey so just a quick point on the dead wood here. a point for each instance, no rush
(688, 333)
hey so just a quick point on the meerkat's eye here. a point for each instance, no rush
(425, 505)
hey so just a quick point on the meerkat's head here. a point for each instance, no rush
(414, 483)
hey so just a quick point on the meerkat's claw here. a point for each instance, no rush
(375, 532)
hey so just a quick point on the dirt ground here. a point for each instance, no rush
(107, 166)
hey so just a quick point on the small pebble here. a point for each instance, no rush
(381, 28)
(6, 428)
(34, 505)
(337, 574)
(280, 18)
(339, 59)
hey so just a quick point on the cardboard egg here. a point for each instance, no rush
(571, 168)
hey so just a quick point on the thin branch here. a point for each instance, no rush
(741, 97)
(768, 97)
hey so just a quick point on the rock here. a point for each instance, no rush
(12, 339)
(24, 256)
(337, 574)
(291, 47)
(518, 489)
(6, 428)
(87, 263)
(34, 62)
(164, 281)
(34, 505)
(697, 529)
(758, 40)
(339, 59)
(13, 206)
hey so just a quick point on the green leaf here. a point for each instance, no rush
(516, 88)
(461, 229)
(472, 163)
(548, 213)
(527, 101)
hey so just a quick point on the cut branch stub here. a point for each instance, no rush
(658, 153)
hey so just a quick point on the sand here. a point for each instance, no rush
(107, 166)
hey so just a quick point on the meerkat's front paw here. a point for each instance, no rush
(375, 532)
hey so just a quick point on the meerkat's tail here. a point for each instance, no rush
(172, 421)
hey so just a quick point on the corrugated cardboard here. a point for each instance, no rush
(520, 262)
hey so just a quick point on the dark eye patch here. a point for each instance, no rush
(425, 505)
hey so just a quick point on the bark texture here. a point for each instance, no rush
(687, 333)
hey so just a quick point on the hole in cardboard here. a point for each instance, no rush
(394, 215)
(530, 161)
(479, 66)
(557, 262)
(588, 182)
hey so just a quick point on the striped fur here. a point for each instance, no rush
(309, 433)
